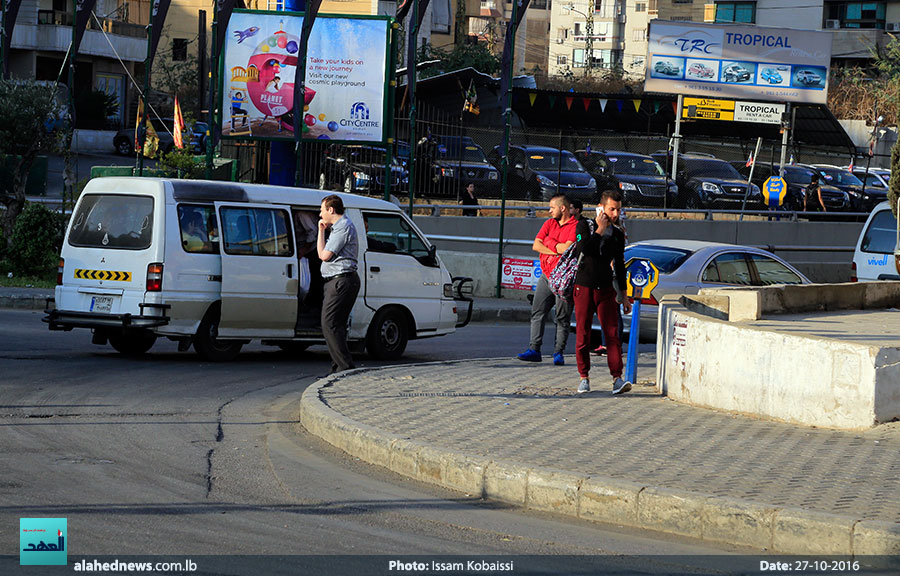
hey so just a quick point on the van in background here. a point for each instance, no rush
(873, 258)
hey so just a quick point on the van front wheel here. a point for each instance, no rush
(207, 344)
(132, 344)
(388, 335)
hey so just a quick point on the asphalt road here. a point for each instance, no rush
(168, 455)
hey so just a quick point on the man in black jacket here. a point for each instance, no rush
(594, 290)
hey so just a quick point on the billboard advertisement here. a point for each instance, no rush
(733, 61)
(346, 77)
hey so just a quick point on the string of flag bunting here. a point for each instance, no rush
(586, 102)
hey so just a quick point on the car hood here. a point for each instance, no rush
(567, 178)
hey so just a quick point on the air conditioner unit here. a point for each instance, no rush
(832, 24)
(892, 26)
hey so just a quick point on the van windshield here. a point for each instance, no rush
(881, 235)
(113, 221)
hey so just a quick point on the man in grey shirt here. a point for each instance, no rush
(339, 254)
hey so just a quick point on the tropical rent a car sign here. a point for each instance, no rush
(732, 61)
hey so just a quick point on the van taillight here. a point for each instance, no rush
(154, 277)
(853, 277)
(59, 271)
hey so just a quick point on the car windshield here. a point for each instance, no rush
(696, 167)
(666, 259)
(636, 165)
(881, 235)
(840, 177)
(113, 221)
(549, 160)
(470, 152)
(795, 175)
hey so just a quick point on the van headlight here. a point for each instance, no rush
(627, 186)
(544, 181)
(711, 188)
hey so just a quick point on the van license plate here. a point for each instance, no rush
(101, 303)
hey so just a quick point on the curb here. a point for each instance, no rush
(598, 499)
(24, 302)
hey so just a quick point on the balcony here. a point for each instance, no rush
(53, 33)
(490, 8)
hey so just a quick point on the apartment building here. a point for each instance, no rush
(112, 45)
(586, 32)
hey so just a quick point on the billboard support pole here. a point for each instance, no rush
(391, 96)
(786, 129)
(213, 89)
(676, 136)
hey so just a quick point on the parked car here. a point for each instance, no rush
(797, 178)
(873, 179)
(458, 162)
(771, 76)
(686, 266)
(123, 141)
(735, 73)
(357, 169)
(699, 70)
(539, 172)
(873, 258)
(666, 67)
(860, 201)
(641, 179)
(705, 182)
(198, 137)
(808, 78)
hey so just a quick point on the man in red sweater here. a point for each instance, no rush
(594, 290)
(557, 234)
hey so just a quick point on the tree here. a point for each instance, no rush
(894, 183)
(477, 56)
(27, 110)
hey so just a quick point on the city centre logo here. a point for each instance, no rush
(42, 541)
(359, 111)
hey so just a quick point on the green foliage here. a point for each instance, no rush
(36, 241)
(25, 108)
(178, 77)
(180, 163)
(894, 183)
(92, 108)
(477, 56)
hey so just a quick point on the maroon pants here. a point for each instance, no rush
(587, 300)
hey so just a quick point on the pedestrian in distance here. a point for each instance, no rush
(338, 248)
(557, 234)
(469, 198)
(603, 252)
(812, 198)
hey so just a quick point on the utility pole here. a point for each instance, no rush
(589, 39)
(143, 125)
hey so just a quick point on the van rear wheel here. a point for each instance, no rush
(132, 344)
(207, 344)
(388, 334)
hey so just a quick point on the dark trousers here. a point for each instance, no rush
(340, 295)
(587, 300)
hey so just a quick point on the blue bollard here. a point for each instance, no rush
(633, 337)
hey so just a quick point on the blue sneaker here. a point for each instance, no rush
(530, 356)
(559, 359)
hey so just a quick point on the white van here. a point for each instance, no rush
(217, 264)
(873, 258)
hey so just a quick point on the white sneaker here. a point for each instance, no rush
(620, 386)
(585, 386)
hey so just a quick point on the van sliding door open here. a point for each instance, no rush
(259, 271)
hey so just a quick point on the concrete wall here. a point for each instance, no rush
(818, 266)
(94, 141)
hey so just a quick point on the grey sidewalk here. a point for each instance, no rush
(517, 432)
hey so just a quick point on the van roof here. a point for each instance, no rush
(211, 191)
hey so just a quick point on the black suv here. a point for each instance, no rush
(359, 169)
(848, 182)
(539, 172)
(640, 178)
(797, 178)
(706, 182)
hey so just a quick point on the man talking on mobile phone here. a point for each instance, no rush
(594, 290)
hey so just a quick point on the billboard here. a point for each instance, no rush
(346, 77)
(733, 61)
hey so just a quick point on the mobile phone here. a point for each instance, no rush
(599, 211)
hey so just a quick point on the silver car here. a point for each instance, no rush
(686, 266)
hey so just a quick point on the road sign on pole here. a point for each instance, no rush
(641, 277)
(774, 190)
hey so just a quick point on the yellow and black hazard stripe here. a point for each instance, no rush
(102, 275)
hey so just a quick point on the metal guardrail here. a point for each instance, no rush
(531, 211)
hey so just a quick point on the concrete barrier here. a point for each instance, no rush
(94, 140)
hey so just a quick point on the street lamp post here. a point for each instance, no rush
(589, 35)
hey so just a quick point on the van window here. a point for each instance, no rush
(392, 229)
(198, 229)
(113, 221)
(881, 235)
(256, 231)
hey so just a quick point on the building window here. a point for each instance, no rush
(856, 14)
(640, 35)
(539, 4)
(578, 29)
(578, 58)
(640, 7)
(562, 60)
(736, 12)
(179, 49)
(561, 35)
